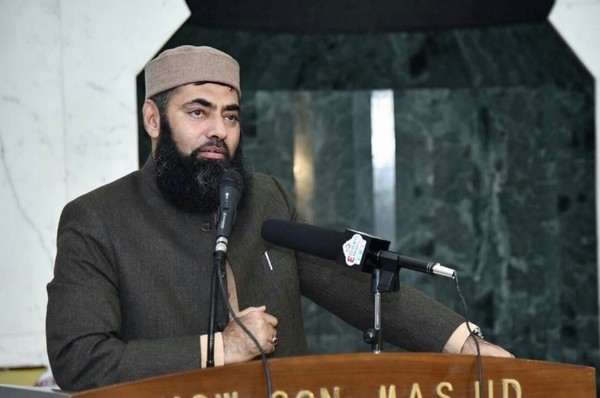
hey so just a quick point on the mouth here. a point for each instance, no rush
(213, 152)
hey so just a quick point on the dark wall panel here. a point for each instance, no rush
(354, 16)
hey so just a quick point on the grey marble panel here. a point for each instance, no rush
(499, 183)
(496, 182)
(267, 129)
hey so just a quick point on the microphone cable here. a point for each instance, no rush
(472, 335)
(263, 355)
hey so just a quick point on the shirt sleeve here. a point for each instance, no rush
(458, 338)
(219, 350)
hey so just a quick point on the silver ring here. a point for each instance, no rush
(274, 340)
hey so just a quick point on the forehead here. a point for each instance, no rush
(217, 94)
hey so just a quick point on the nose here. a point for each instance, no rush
(218, 129)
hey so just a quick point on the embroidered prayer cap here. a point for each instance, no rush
(189, 64)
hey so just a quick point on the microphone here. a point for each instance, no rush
(357, 250)
(230, 192)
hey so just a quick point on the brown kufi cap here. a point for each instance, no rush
(189, 64)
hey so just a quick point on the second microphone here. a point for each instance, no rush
(357, 250)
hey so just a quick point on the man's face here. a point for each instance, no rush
(199, 139)
(203, 114)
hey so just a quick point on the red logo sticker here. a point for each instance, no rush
(354, 249)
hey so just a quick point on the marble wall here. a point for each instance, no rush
(68, 111)
(495, 148)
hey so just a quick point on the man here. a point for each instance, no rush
(131, 287)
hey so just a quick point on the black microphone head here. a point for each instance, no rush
(318, 241)
(230, 192)
(230, 189)
(232, 178)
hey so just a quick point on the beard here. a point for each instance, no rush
(189, 182)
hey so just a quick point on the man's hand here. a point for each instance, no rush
(486, 349)
(238, 346)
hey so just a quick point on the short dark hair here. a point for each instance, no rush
(162, 101)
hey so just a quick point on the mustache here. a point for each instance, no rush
(214, 142)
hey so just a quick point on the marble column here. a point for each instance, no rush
(68, 106)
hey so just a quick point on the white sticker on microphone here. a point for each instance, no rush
(354, 249)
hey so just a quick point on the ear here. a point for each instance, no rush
(151, 118)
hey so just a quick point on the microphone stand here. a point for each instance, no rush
(384, 278)
(219, 261)
(230, 190)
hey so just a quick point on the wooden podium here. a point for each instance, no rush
(387, 375)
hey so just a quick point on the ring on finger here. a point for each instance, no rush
(274, 340)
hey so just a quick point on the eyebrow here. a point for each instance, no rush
(208, 104)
